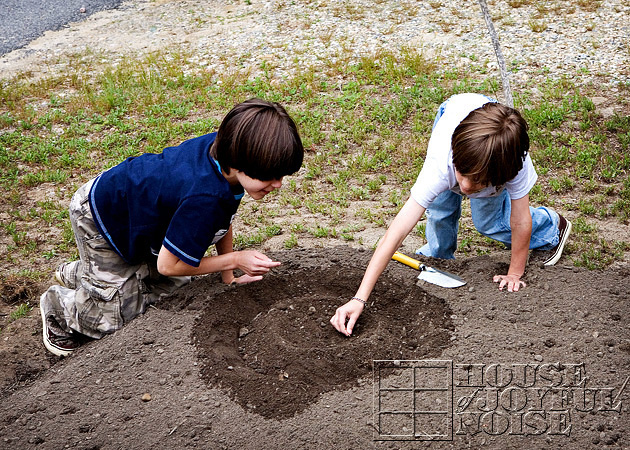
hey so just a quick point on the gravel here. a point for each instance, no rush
(23, 20)
(279, 37)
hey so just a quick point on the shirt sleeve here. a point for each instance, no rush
(194, 226)
(524, 180)
(429, 184)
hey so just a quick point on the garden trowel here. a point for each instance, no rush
(429, 274)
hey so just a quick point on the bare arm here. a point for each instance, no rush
(225, 246)
(253, 263)
(521, 225)
(398, 230)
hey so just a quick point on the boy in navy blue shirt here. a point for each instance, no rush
(144, 226)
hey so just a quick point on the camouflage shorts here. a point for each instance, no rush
(104, 292)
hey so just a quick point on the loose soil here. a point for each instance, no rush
(258, 366)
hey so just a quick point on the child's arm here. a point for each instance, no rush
(252, 262)
(225, 246)
(400, 227)
(521, 224)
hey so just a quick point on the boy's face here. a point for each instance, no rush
(467, 185)
(257, 189)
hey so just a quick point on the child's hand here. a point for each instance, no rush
(254, 263)
(244, 279)
(513, 282)
(350, 312)
(229, 278)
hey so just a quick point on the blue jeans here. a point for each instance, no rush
(491, 217)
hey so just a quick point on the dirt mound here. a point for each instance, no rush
(272, 346)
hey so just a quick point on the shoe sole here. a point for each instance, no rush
(560, 249)
(49, 345)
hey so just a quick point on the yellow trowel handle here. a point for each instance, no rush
(406, 260)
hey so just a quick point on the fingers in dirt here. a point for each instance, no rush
(339, 323)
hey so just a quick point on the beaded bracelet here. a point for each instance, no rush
(360, 300)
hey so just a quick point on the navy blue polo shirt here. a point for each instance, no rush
(177, 198)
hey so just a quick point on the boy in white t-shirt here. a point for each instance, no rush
(478, 148)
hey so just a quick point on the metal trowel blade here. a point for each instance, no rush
(440, 278)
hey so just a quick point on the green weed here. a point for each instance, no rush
(291, 241)
(20, 311)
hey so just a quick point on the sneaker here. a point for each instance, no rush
(62, 279)
(57, 345)
(564, 227)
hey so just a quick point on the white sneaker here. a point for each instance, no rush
(565, 229)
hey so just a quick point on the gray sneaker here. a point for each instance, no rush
(57, 345)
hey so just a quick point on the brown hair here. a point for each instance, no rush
(490, 144)
(260, 139)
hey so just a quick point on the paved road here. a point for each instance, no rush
(21, 21)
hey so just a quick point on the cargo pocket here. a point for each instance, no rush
(99, 311)
(104, 294)
(133, 293)
(103, 277)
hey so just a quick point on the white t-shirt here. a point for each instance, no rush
(438, 173)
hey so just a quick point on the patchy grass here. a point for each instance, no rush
(365, 125)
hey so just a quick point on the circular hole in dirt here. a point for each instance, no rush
(270, 343)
